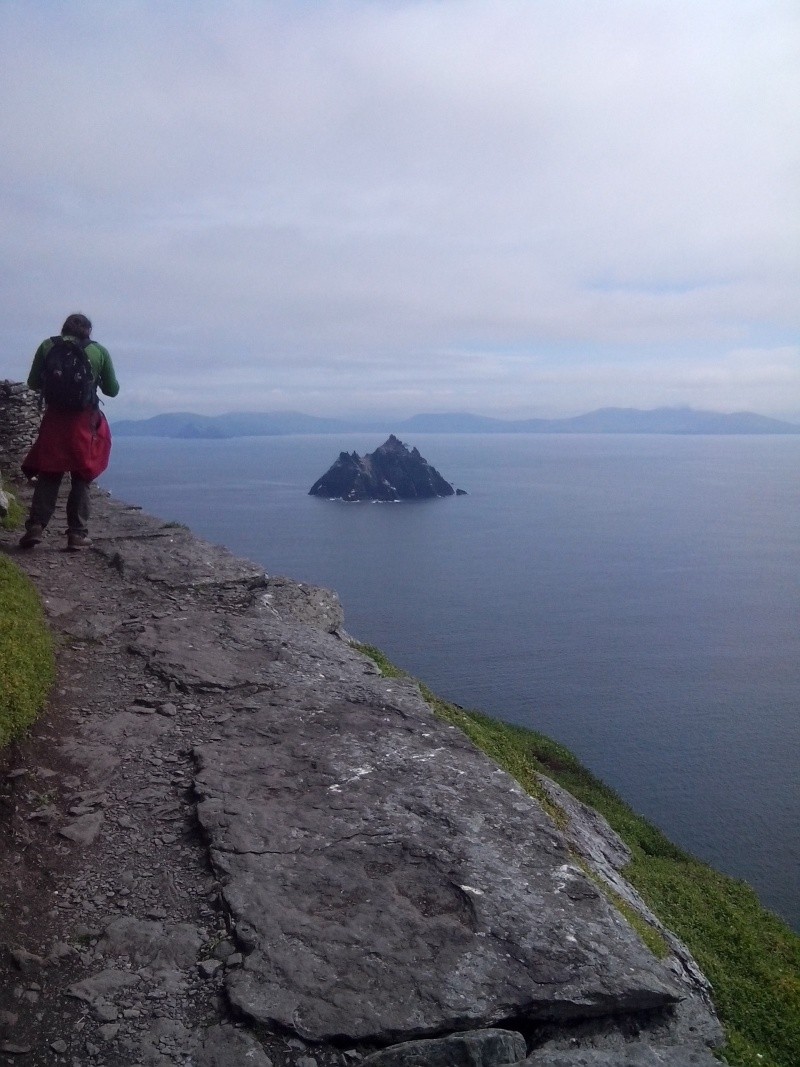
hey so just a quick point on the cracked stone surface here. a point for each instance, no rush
(368, 846)
(230, 840)
(476, 1048)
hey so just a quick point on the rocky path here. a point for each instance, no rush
(230, 841)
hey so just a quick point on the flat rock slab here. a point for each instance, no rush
(113, 518)
(202, 652)
(151, 943)
(225, 651)
(475, 1048)
(388, 882)
(642, 1055)
(225, 1046)
(303, 603)
(174, 558)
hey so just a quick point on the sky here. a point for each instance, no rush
(509, 207)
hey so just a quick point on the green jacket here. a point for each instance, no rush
(99, 359)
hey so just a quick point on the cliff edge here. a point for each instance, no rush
(230, 840)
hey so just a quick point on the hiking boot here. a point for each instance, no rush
(32, 536)
(78, 541)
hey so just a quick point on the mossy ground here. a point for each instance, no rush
(751, 957)
(16, 514)
(27, 664)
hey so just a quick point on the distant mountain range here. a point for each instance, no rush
(605, 420)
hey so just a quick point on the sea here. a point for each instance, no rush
(636, 597)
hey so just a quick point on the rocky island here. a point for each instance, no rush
(392, 472)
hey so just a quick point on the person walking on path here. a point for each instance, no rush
(74, 436)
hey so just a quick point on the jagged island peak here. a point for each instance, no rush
(392, 472)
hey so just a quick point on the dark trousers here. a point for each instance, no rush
(44, 503)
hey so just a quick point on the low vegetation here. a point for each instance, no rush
(13, 520)
(27, 665)
(751, 958)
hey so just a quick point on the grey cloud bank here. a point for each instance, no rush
(509, 208)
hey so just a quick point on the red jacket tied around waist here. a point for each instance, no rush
(74, 441)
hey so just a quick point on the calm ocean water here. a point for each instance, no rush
(637, 598)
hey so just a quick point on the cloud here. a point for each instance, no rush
(350, 200)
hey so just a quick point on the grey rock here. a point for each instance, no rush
(56, 607)
(391, 472)
(169, 981)
(227, 1046)
(223, 652)
(93, 627)
(25, 961)
(84, 829)
(303, 603)
(643, 1056)
(105, 1012)
(99, 760)
(174, 558)
(588, 831)
(164, 1036)
(99, 987)
(60, 950)
(152, 944)
(127, 730)
(46, 814)
(475, 1048)
(593, 838)
(224, 949)
(365, 846)
(652, 1042)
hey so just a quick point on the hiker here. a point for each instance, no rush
(74, 435)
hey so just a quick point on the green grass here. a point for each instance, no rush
(27, 664)
(751, 957)
(16, 513)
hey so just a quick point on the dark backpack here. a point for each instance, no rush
(67, 379)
